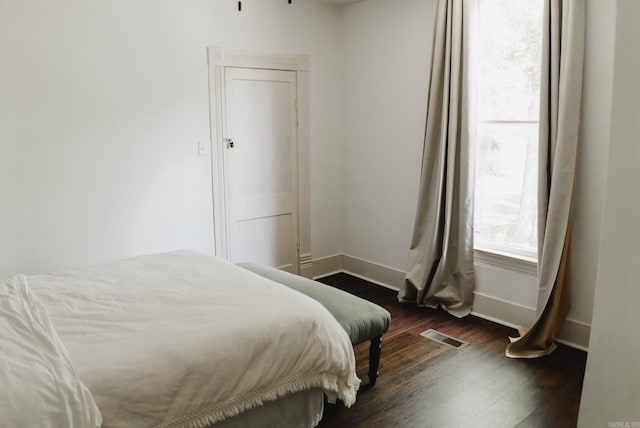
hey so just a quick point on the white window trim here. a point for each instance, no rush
(504, 260)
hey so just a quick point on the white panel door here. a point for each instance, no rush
(261, 161)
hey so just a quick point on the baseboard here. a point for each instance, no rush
(327, 266)
(381, 275)
(502, 311)
(574, 333)
(384, 276)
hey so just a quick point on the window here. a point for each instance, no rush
(509, 48)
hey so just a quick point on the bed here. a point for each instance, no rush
(180, 339)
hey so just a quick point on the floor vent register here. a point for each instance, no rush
(444, 339)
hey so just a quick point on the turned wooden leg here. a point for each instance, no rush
(374, 359)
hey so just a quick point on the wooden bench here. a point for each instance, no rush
(361, 319)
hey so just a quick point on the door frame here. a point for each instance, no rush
(217, 59)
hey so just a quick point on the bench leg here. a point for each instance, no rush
(374, 360)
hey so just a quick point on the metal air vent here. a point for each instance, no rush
(444, 339)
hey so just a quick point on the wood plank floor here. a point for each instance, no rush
(425, 384)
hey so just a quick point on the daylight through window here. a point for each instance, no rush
(509, 43)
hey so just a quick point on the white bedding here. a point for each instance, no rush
(38, 384)
(184, 339)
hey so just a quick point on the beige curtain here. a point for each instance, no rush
(561, 92)
(441, 257)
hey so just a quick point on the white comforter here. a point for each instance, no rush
(185, 339)
(38, 384)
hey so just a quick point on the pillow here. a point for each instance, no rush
(40, 387)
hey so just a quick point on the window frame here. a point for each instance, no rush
(504, 256)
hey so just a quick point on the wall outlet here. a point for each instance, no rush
(203, 148)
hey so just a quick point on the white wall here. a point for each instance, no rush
(101, 108)
(592, 155)
(387, 47)
(386, 58)
(610, 392)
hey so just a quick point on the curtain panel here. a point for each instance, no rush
(560, 100)
(440, 270)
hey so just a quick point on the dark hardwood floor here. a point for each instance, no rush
(425, 384)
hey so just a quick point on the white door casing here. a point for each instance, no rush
(241, 206)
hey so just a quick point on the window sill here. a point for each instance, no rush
(506, 261)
